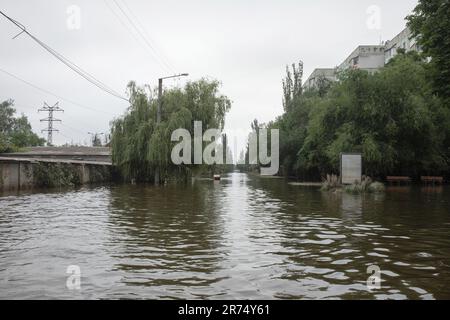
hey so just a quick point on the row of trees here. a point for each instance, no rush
(140, 145)
(15, 132)
(398, 118)
(392, 117)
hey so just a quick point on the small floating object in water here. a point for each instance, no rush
(217, 177)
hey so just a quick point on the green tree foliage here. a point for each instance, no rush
(430, 24)
(393, 117)
(292, 85)
(51, 175)
(15, 133)
(140, 145)
(293, 124)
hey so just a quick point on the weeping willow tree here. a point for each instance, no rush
(140, 145)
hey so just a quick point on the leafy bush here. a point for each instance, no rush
(365, 186)
(331, 182)
(50, 175)
(377, 187)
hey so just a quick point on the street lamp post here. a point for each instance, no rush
(159, 110)
(94, 136)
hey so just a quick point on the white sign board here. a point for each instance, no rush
(351, 168)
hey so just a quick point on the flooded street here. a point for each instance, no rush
(242, 238)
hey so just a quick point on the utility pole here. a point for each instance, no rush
(160, 92)
(159, 110)
(50, 120)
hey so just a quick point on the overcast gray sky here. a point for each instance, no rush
(245, 44)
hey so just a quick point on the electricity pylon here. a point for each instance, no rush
(50, 120)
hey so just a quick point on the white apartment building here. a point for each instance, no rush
(403, 40)
(329, 74)
(370, 58)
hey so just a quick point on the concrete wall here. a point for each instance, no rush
(15, 175)
(25, 175)
(9, 176)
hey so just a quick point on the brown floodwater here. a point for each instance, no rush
(242, 238)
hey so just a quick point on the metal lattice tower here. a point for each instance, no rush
(50, 120)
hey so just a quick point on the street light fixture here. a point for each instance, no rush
(160, 91)
(158, 112)
(175, 76)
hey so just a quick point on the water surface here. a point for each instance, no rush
(242, 238)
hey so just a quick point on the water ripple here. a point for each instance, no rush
(242, 238)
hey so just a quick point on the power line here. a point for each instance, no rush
(49, 92)
(52, 94)
(148, 38)
(142, 34)
(21, 106)
(75, 129)
(138, 39)
(71, 139)
(127, 27)
(64, 60)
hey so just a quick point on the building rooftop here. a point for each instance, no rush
(327, 73)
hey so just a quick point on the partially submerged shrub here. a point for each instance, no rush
(52, 175)
(331, 182)
(377, 187)
(365, 186)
